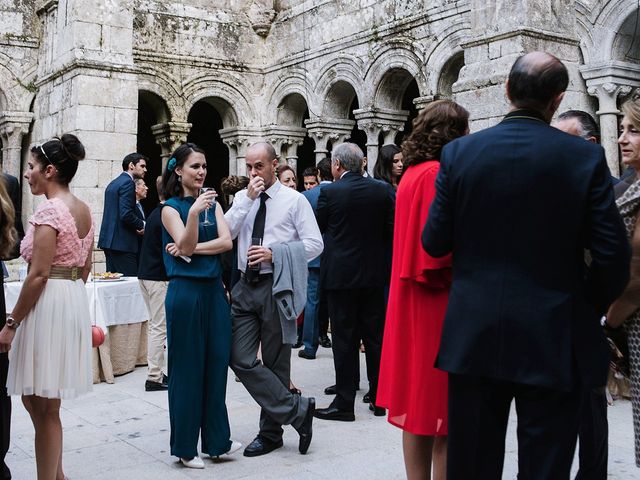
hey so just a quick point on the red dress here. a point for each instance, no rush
(410, 387)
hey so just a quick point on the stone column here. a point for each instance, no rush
(607, 94)
(238, 140)
(286, 140)
(169, 136)
(374, 121)
(13, 126)
(321, 130)
(502, 30)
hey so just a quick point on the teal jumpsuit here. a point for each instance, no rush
(198, 345)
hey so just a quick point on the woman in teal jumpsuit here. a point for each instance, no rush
(198, 320)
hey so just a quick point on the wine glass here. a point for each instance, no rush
(207, 220)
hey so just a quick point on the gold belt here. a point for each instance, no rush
(65, 273)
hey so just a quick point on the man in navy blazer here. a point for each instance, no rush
(121, 226)
(518, 204)
(311, 326)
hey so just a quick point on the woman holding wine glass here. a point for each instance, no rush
(198, 320)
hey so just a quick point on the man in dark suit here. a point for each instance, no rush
(13, 189)
(356, 215)
(522, 322)
(593, 430)
(121, 225)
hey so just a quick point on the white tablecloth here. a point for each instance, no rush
(110, 303)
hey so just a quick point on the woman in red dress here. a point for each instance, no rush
(410, 387)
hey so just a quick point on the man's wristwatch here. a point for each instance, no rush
(11, 323)
(604, 323)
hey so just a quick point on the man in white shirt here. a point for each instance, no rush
(280, 215)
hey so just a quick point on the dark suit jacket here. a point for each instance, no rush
(120, 219)
(518, 204)
(356, 215)
(13, 189)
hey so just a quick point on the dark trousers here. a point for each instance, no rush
(122, 262)
(198, 345)
(478, 417)
(323, 313)
(355, 314)
(593, 435)
(255, 323)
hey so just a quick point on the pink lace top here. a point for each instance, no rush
(71, 251)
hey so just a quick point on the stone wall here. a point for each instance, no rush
(286, 70)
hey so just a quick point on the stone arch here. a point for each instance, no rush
(343, 68)
(15, 96)
(229, 97)
(165, 87)
(288, 83)
(626, 44)
(338, 100)
(291, 110)
(602, 23)
(394, 60)
(443, 60)
(449, 74)
(157, 104)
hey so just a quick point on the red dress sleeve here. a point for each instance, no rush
(415, 263)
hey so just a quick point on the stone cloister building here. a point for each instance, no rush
(301, 74)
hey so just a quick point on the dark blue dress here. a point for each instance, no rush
(198, 345)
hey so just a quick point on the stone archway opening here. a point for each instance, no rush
(410, 94)
(152, 110)
(626, 47)
(359, 137)
(449, 75)
(207, 118)
(292, 113)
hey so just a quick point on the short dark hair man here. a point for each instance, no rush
(522, 320)
(579, 123)
(121, 226)
(310, 178)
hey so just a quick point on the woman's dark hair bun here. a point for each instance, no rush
(72, 147)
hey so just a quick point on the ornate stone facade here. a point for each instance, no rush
(301, 74)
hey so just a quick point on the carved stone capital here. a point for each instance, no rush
(261, 18)
(169, 135)
(374, 121)
(321, 130)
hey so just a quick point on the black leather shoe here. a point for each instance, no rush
(333, 413)
(377, 411)
(150, 386)
(304, 354)
(325, 341)
(261, 446)
(331, 390)
(305, 430)
(366, 398)
(298, 343)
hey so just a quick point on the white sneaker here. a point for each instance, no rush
(235, 446)
(195, 462)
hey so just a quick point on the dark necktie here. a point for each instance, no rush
(257, 233)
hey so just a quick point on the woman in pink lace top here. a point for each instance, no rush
(48, 334)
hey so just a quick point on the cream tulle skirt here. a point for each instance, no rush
(51, 353)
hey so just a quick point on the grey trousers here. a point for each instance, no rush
(255, 321)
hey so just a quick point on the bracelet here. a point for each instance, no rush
(11, 323)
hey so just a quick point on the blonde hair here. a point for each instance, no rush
(631, 110)
(8, 233)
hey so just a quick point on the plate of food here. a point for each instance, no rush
(107, 277)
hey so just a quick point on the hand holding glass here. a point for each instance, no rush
(208, 213)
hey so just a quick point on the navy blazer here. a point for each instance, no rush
(518, 204)
(120, 219)
(355, 214)
(313, 195)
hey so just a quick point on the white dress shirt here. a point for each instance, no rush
(289, 218)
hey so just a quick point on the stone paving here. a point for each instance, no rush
(121, 432)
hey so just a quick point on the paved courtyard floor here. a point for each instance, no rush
(121, 432)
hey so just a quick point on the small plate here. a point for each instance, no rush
(108, 279)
